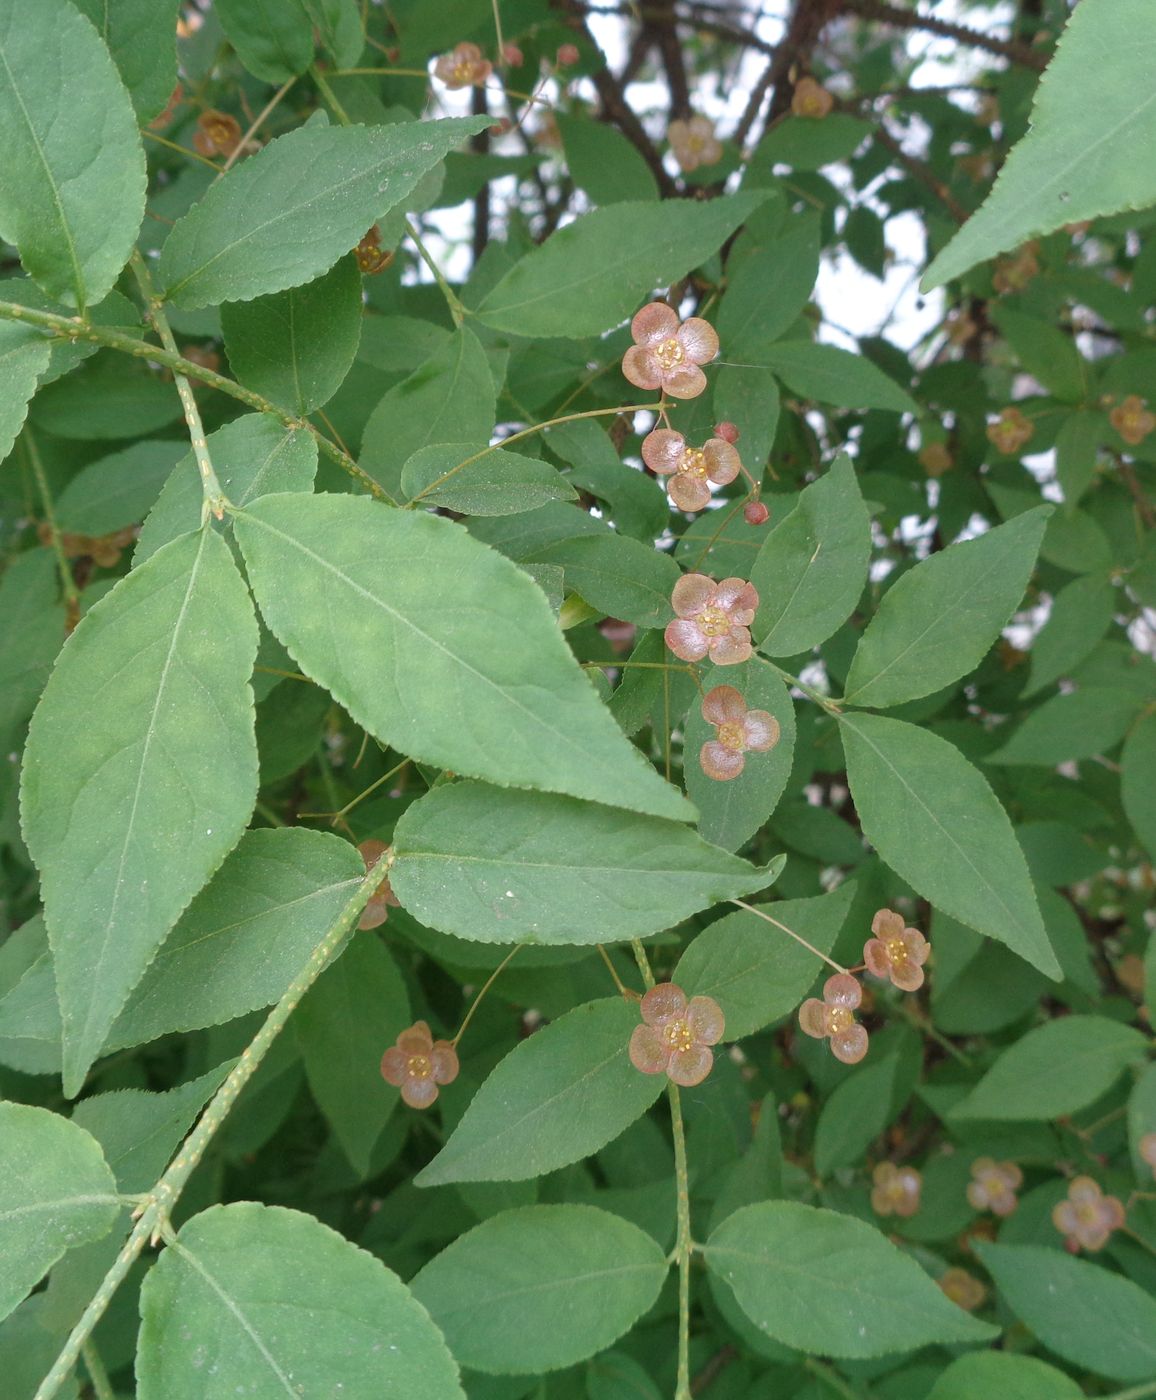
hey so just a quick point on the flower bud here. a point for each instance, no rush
(727, 431)
(755, 513)
(567, 55)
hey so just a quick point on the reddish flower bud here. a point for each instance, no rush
(567, 55)
(727, 431)
(512, 55)
(755, 513)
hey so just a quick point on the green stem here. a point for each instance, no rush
(67, 582)
(457, 310)
(75, 328)
(214, 497)
(833, 707)
(643, 962)
(154, 1217)
(97, 1375)
(330, 96)
(682, 1246)
(1137, 1392)
(830, 1378)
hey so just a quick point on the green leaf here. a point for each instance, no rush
(268, 1301)
(245, 936)
(1137, 790)
(497, 1291)
(1006, 1374)
(1077, 444)
(496, 483)
(755, 972)
(603, 162)
(937, 621)
(136, 785)
(1077, 724)
(286, 215)
(733, 811)
(1046, 352)
(1092, 1318)
(619, 576)
(558, 1097)
(73, 193)
(768, 290)
(112, 396)
(1080, 155)
(273, 38)
(445, 628)
(503, 866)
(853, 1117)
(31, 633)
(295, 347)
(56, 1192)
(831, 375)
(120, 489)
(357, 1008)
(936, 822)
(1081, 613)
(635, 502)
(141, 36)
(1056, 1069)
(808, 143)
(812, 567)
(748, 397)
(449, 399)
(590, 275)
(829, 1284)
(1142, 1099)
(24, 355)
(254, 455)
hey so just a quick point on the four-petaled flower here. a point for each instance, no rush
(690, 469)
(895, 951)
(737, 730)
(811, 99)
(1087, 1217)
(418, 1064)
(217, 133)
(376, 910)
(993, 1185)
(713, 618)
(666, 354)
(463, 67)
(676, 1035)
(694, 143)
(372, 258)
(1132, 419)
(895, 1190)
(1010, 431)
(833, 1018)
(964, 1289)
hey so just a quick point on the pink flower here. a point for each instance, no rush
(666, 354)
(833, 1019)
(1087, 1217)
(463, 67)
(964, 1289)
(738, 731)
(676, 1035)
(377, 909)
(712, 617)
(895, 1190)
(417, 1064)
(694, 143)
(993, 1185)
(690, 468)
(895, 951)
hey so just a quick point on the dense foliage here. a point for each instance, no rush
(580, 805)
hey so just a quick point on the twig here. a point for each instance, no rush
(905, 19)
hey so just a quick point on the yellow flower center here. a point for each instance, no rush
(419, 1066)
(670, 353)
(732, 736)
(896, 950)
(1088, 1213)
(463, 71)
(678, 1035)
(713, 622)
(839, 1019)
(693, 463)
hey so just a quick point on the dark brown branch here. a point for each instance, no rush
(922, 172)
(1010, 49)
(662, 24)
(480, 142)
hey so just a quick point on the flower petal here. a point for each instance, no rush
(731, 649)
(374, 914)
(740, 599)
(690, 1067)
(850, 1046)
(907, 975)
(393, 1066)
(652, 325)
(691, 594)
(719, 762)
(444, 1058)
(842, 990)
(662, 1003)
(688, 493)
(887, 924)
(706, 1019)
(723, 705)
(419, 1093)
(698, 338)
(917, 946)
(875, 956)
(416, 1040)
(813, 1018)
(648, 1051)
(683, 382)
(662, 450)
(641, 368)
(723, 462)
(686, 640)
(761, 730)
